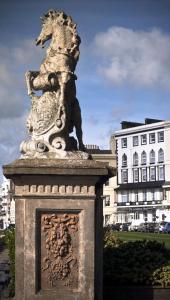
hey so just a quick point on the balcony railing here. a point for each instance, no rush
(138, 203)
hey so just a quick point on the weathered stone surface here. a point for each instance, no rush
(59, 228)
(56, 112)
(56, 166)
(57, 188)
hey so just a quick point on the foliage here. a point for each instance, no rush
(161, 276)
(9, 240)
(110, 239)
(136, 263)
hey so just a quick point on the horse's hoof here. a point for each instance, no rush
(82, 148)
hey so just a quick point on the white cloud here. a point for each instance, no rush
(140, 58)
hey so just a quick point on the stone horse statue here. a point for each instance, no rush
(54, 114)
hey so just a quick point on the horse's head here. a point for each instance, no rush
(47, 28)
(52, 20)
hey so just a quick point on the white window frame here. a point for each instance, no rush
(124, 142)
(135, 140)
(107, 219)
(161, 173)
(143, 158)
(143, 174)
(160, 136)
(152, 157)
(135, 175)
(136, 196)
(152, 192)
(152, 138)
(136, 215)
(143, 139)
(144, 195)
(107, 201)
(124, 175)
(160, 155)
(124, 197)
(152, 176)
(161, 194)
(124, 160)
(135, 159)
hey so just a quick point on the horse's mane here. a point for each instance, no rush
(61, 18)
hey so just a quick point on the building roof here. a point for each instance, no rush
(99, 151)
(150, 124)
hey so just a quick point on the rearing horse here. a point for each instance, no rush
(57, 69)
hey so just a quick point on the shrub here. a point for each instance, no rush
(136, 263)
(109, 239)
(9, 240)
(161, 276)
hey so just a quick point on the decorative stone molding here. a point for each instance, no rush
(59, 250)
(55, 190)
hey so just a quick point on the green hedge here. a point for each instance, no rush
(9, 240)
(135, 263)
(125, 263)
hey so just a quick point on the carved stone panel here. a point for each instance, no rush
(59, 250)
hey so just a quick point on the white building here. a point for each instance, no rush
(109, 202)
(109, 194)
(7, 204)
(143, 171)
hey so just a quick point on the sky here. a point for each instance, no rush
(123, 70)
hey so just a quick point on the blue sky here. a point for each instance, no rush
(123, 70)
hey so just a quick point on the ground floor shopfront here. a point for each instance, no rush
(142, 214)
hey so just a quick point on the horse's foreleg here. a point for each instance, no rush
(78, 123)
(30, 76)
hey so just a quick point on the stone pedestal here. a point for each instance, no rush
(58, 228)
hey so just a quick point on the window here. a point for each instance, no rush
(135, 175)
(124, 142)
(124, 176)
(152, 174)
(152, 195)
(135, 140)
(144, 194)
(136, 196)
(124, 160)
(107, 219)
(143, 139)
(124, 197)
(161, 174)
(152, 157)
(136, 216)
(143, 158)
(160, 136)
(161, 194)
(107, 201)
(135, 159)
(143, 174)
(160, 155)
(152, 138)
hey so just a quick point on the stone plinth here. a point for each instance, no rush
(58, 228)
